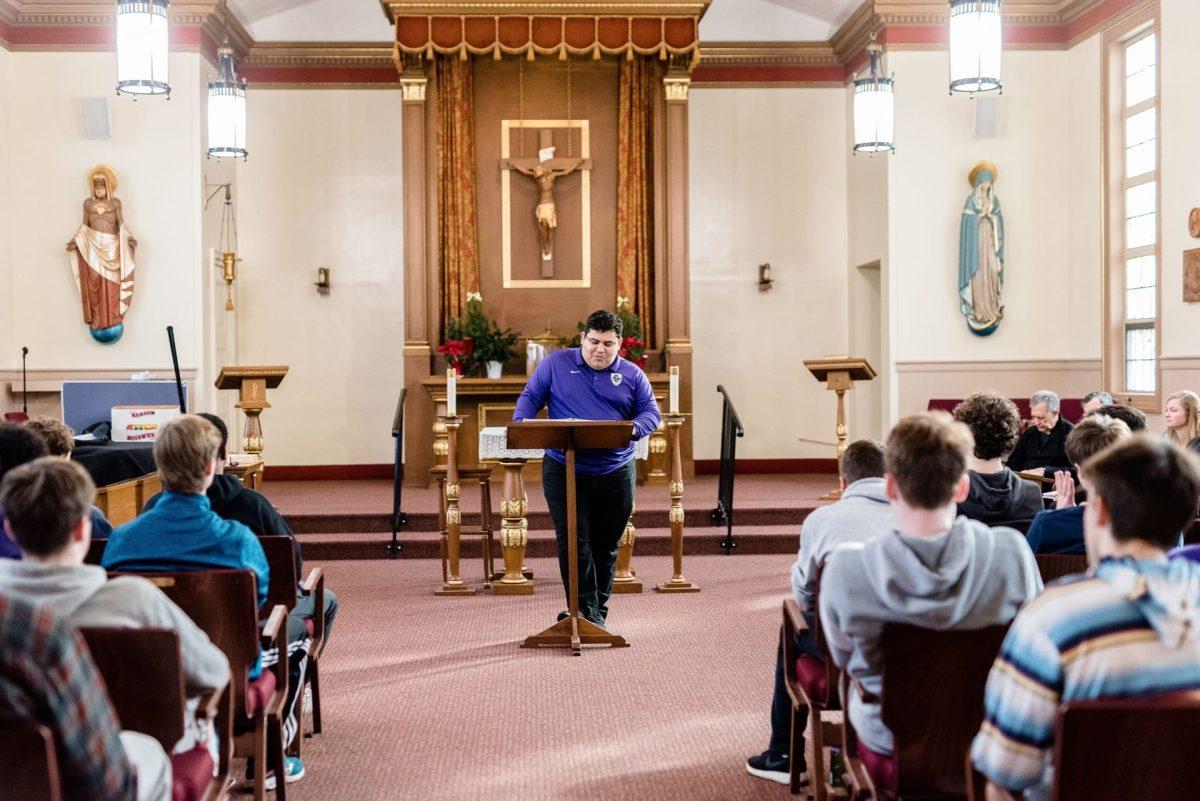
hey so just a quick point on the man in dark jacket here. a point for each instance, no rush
(233, 501)
(1044, 444)
(997, 494)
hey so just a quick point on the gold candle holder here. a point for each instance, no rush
(677, 583)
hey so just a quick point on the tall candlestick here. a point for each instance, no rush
(451, 392)
(673, 403)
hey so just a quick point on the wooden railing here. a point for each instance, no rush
(124, 501)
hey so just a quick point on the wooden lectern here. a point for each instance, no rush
(839, 374)
(567, 436)
(252, 384)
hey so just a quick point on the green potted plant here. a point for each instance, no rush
(492, 347)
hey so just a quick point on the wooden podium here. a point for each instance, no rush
(839, 374)
(567, 436)
(252, 384)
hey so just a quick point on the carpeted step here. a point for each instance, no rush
(651, 541)
(317, 523)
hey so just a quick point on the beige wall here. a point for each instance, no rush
(768, 184)
(1048, 185)
(1180, 131)
(155, 150)
(322, 189)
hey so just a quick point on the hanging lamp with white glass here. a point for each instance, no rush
(226, 105)
(142, 47)
(874, 106)
(975, 45)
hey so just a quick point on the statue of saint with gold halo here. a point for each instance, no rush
(101, 256)
(981, 253)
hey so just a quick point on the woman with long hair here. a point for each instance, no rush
(1181, 416)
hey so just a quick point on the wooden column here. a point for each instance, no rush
(514, 531)
(677, 583)
(420, 414)
(453, 584)
(678, 278)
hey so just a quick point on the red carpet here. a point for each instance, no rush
(430, 698)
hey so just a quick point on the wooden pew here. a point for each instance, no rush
(1056, 565)
(30, 763)
(124, 501)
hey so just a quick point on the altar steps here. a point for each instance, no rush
(650, 541)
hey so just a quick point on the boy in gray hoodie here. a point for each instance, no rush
(47, 504)
(933, 571)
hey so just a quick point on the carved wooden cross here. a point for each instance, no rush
(544, 173)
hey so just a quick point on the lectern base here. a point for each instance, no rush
(575, 632)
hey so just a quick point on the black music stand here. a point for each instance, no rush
(567, 436)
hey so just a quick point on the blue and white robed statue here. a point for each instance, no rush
(981, 254)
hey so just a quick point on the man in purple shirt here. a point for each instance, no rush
(592, 382)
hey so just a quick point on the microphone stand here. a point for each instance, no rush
(24, 382)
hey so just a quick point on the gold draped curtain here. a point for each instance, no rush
(458, 226)
(635, 189)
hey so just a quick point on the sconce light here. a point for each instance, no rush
(765, 281)
(322, 283)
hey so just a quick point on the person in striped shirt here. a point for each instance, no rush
(1129, 627)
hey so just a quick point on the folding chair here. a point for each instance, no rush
(30, 764)
(1056, 565)
(224, 604)
(1122, 748)
(932, 702)
(811, 683)
(282, 591)
(143, 672)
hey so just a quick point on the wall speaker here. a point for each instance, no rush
(987, 116)
(97, 124)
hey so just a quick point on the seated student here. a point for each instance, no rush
(46, 504)
(861, 514)
(1181, 418)
(1134, 418)
(182, 532)
(1060, 530)
(997, 493)
(234, 501)
(60, 442)
(18, 445)
(1131, 627)
(1094, 400)
(47, 676)
(1043, 444)
(933, 570)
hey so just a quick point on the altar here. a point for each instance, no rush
(490, 402)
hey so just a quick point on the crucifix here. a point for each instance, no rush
(545, 170)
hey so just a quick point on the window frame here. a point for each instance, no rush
(1142, 21)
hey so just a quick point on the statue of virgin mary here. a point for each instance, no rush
(981, 254)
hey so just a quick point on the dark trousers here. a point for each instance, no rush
(781, 702)
(603, 505)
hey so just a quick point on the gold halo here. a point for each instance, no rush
(110, 176)
(983, 166)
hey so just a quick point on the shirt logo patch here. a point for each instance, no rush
(616, 379)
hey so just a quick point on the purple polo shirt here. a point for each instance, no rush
(572, 389)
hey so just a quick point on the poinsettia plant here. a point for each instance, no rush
(457, 348)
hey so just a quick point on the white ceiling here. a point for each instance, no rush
(364, 20)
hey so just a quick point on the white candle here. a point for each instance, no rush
(451, 392)
(673, 402)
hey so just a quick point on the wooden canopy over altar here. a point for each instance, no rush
(485, 88)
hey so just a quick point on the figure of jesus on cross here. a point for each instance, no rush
(545, 170)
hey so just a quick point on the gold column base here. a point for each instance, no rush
(511, 586)
(455, 587)
(677, 584)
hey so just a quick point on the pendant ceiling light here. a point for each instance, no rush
(874, 106)
(142, 47)
(226, 105)
(975, 44)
